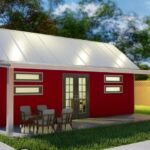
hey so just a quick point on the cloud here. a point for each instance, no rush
(62, 8)
(90, 9)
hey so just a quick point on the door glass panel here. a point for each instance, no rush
(84, 88)
(71, 81)
(83, 81)
(71, 95)
(67, 80)
(82, 94)
(71, 88)
(67, 95)
(69, 92)
(67, 88)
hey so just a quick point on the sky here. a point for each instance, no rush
(141, 7)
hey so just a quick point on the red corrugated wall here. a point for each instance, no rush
(100, 104)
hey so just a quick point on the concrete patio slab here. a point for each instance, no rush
(136, 146)
(90, 123)
(5, 147)
(107, 121)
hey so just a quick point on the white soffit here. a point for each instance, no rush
(20, 47)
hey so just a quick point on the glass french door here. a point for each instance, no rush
(75, 91)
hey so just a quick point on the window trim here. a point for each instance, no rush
(121, 78)
(29, 94)
(113, 92)
(28, 80)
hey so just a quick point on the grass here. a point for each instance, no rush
(89, 139)
(142, 109)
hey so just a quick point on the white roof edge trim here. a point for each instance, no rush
(75, 68)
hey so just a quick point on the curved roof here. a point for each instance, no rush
(33, 48)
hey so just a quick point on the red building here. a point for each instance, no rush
(95, 79)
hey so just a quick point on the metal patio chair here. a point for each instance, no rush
(41, 108)
(47, 119)
(26, 114)
(66, 118)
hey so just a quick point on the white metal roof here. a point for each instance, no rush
(18, 47)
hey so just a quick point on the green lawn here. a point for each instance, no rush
(142, 109)
(86, 139)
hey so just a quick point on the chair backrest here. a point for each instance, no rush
(49, 116)
(67, 110)
(67, 115)
(48, 111)
(41, 107)
(25, 112)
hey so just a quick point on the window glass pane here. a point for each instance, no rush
(113, 89)
(28, 76)
(67, 80)
(68, 103)
(80, 81)
(28, 90)
(80, 95)
(84, 88)
(71, 88)
(84, 95)
(71, 95)
(71, 81)
(67, 96)
(67, 88)
(84, 81)
(110, 78)
(80, 88)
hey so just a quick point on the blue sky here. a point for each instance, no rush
(141, 7)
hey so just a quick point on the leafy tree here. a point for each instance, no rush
(26, 15)
(143, 77)
(71, 26)
(81, 25)
(135, 43)
(52, 4)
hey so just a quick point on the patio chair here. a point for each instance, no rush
(66, 118)
(47, 120)
(25, 116)
(41, 108)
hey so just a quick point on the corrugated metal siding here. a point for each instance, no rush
(25, 47)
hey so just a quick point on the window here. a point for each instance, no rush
(69, 92)
(113, 89)
(113, 78)
(28, 76)
(28, 90)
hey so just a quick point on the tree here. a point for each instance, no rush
(143, 77)
(52, 4)
(135, 42)
(71, 26)
(79, 24)
(26, 15)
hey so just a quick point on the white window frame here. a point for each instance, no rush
(113, 92)
(25, 86)
(121, 78)
(29, 80)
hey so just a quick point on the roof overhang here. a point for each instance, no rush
(74, 68)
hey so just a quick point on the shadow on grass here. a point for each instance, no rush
(89, 139)
(101, 137)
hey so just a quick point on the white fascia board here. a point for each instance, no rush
(75, 68)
